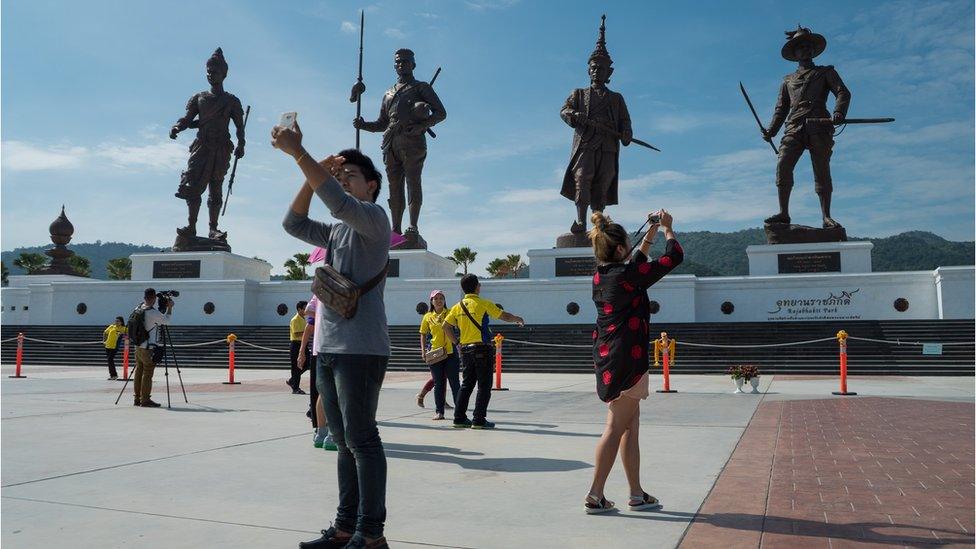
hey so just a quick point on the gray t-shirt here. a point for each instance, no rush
(359, 247)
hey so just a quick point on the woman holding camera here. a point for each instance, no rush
(620, 346)
(439, 353)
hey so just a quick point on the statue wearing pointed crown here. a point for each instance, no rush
(601, 122)
(211, 112)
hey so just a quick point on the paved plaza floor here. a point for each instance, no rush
(235, 467)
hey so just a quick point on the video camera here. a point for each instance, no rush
(164, 297)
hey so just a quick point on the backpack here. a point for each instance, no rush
(137, 326)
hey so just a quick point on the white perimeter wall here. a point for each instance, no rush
(947, 292)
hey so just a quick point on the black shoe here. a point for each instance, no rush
(359, 542)
(327, 541)
(485, 425)
(148, 403)
(298, 392)
(464, 424)
(135, 403)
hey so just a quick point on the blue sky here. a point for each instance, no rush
(90, 89)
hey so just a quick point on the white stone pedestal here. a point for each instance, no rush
(406, 264)
(561, 262)
(198, 266)
(819, 257)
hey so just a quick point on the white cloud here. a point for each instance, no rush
(489, 5)
(527, 196)
(395, 33)
(657, 178)
(348, 27)
(160, 155)
(427, 15)
(21, 156)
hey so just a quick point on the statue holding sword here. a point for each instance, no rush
(802, 109)
(601, 122)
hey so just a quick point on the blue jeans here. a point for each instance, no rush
(350, 389)
(444, 372)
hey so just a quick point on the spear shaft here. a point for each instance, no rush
(359, 80)
(233, 171)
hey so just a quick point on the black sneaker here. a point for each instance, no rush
(298, 392)
(462, 424)
(149, 403)
(327, 541)
(485, 425)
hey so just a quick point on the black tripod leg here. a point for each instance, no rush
(124, 385)
(179, 375)
(176, 364)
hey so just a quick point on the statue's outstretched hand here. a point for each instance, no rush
(358, 123)
(173, 132)
(239, 151)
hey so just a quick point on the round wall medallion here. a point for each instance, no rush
(282, 309)
(572, 307)
(727, 307)
(901, 304)
(209, 307)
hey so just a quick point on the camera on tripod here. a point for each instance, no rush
(164, 297)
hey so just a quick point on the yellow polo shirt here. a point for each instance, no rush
(480, 309)
(112, 334)
(433, 325)
(297, 327)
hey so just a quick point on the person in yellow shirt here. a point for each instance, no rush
(296, 327)
(112, 338)
(432, 337)
(470, 316)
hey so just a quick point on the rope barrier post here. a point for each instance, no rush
(842, 342)
(125, 356)
(231, 338)
(20, 355)
(499, 338)
(666, 346)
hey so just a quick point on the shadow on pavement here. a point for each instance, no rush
(867, 532)
(441, 454)
(446, 426)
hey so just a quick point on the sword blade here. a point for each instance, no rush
(645, 144)
(851, 120)
(755, 115)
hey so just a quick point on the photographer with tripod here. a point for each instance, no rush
(144, 328)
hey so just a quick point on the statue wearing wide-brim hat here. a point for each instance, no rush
(801, 109)
(799, 36)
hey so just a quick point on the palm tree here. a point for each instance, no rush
(497, 268)
(505, 267)
(296, 267)
(463, 257)
(81, 265)
(30, 262)
(119, 268)
(515, 264)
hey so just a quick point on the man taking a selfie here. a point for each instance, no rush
(353, 351)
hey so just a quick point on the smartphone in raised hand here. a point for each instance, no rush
(288, 120)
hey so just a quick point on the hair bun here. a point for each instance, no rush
(600, 221)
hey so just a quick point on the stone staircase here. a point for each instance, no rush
(814, 359)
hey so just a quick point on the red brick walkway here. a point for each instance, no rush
(857, 472)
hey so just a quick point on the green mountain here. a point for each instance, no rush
(98, 252)
(724, 254)
(706, 253)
